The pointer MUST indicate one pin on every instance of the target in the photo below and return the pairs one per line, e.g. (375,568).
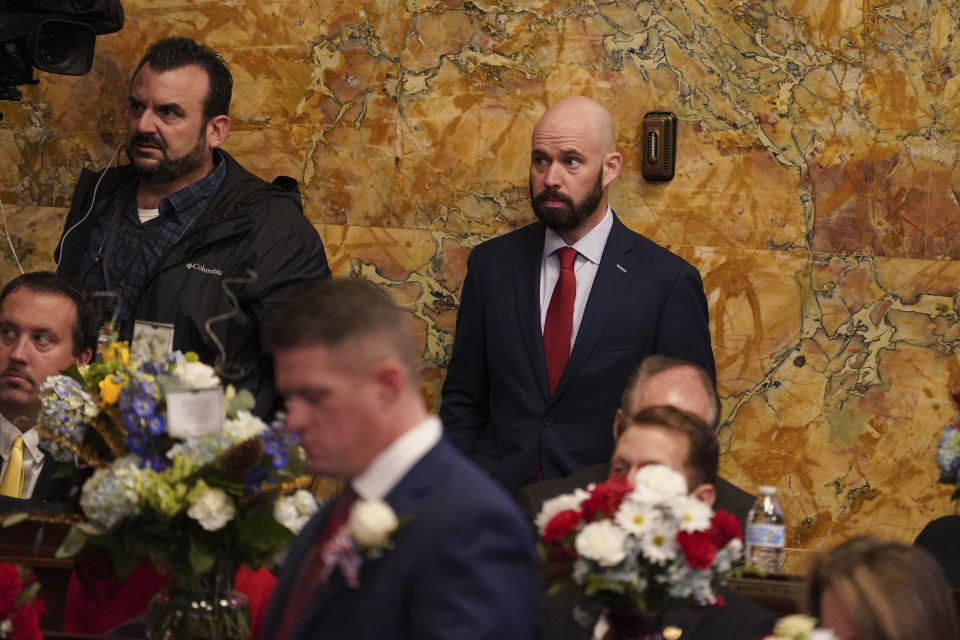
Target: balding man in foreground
(554,316)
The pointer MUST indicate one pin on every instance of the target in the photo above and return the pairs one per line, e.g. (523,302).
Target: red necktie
(311,573)
(558,326)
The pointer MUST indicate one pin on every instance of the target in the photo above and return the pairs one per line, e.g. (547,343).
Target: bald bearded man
(554,316)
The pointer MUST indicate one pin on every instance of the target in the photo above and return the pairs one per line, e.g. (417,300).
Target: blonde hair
(889,590)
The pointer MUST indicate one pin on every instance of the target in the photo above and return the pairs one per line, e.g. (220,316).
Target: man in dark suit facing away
(47,323)
(659,380)
(553,317)
(420,544)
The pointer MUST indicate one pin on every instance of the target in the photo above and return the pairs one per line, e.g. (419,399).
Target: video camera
(56,36)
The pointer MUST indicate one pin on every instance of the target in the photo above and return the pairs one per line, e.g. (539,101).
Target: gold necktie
(12,483)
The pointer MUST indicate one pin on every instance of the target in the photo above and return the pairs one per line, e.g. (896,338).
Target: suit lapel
(526,270)
(403,499)
(688,618)
(48,487)
(613,276)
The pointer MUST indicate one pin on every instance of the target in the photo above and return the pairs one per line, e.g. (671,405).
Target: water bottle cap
(767,490)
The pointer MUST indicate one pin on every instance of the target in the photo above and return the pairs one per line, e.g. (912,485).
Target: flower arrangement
(799,627)
(20,608)
(196,507)
(948,451)
(635,546)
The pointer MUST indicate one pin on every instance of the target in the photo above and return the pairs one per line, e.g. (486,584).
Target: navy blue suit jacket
(497,405)
(463,567)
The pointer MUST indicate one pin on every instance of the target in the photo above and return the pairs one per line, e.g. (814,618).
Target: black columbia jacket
(250,225)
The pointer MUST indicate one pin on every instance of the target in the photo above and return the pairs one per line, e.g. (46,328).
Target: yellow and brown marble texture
(816,189)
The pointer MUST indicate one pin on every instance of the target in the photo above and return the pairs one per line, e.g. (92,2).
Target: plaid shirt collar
(188,203)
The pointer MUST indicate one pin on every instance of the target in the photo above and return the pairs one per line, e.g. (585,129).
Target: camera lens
(64,47)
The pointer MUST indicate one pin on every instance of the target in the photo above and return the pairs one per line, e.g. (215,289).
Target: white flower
(244,426)
(693,514)
(553,506)
(370,523)
(656,483)
(304,501)
(659,544)
(196,375)
(213,510)
(293,511)
(637,517)
(602,542)
(794,626)
(821,634)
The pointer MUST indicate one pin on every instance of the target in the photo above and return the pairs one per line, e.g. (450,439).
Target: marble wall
(816,189)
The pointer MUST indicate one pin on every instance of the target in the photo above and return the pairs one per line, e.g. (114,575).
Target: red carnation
(561,526)
(724,527)
(605,498)
(720,601)
(698,548)
(9,587)
(26,621)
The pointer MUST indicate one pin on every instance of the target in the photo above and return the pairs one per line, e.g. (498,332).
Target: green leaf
(28,594)
(72,542)
(14,518)
(73,371)
(201,559)
(243,401)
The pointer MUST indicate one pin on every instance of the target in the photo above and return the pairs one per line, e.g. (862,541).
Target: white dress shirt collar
(33,456)
(9,433)
(589,246)
(393,463)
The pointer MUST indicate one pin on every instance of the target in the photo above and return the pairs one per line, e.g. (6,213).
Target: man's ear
(612,163)
(391,379)
(617,418)
(85,357)
(705,493)
(217,129)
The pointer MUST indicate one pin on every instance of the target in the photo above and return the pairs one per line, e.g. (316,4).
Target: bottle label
(766,535)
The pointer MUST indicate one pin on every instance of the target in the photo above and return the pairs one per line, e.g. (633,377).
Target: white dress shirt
(393,463)
(32,455)
(589,251)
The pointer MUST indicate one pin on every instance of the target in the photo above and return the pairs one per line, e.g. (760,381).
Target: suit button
(547,421)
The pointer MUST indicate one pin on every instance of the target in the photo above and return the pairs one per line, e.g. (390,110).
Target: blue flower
(156,424)
(137,441)
(271,445)
(144,406)
(279,460)
(131,420)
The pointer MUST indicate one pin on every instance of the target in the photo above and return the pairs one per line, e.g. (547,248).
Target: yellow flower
(110,390)
(116,352)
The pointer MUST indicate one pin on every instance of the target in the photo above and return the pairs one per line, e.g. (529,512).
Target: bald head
(572,163)
(661,380)
(579,113)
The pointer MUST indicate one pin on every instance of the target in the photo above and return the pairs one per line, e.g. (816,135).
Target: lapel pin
(621,268)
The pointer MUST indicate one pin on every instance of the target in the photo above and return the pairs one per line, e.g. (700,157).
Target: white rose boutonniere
(799,627)
(371,523)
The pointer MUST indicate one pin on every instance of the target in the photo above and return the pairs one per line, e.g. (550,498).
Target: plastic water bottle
(765,533)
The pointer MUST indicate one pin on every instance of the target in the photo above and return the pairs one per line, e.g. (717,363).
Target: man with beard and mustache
(174,236)
(554,316)
(47,323)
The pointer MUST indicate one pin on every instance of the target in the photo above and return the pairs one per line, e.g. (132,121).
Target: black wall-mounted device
(659,145)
